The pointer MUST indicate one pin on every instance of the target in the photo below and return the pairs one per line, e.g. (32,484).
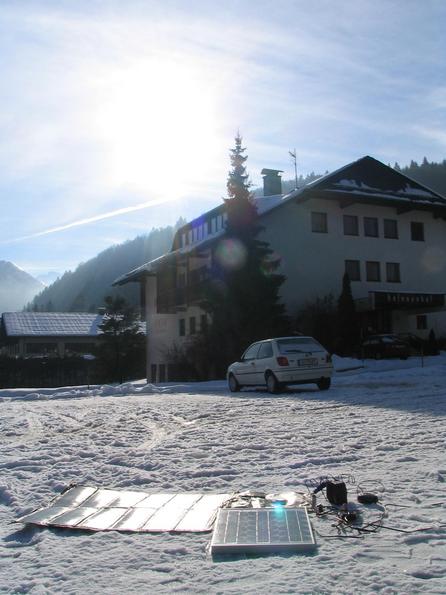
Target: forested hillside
(432,175)
(84,289)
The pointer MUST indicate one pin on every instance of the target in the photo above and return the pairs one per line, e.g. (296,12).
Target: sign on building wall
(404,300)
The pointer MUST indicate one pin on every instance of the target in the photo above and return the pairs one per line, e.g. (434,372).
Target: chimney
(272,182)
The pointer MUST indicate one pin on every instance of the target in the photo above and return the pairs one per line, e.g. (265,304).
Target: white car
(281,361)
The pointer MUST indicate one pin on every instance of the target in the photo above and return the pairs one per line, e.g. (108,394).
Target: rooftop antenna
(293,157)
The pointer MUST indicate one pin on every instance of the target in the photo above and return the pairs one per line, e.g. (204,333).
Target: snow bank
(139,387)
(106,390)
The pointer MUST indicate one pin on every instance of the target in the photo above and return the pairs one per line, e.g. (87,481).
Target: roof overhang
(347,199)
(171,259)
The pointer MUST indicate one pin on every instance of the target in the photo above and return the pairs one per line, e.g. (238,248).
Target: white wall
(314,262)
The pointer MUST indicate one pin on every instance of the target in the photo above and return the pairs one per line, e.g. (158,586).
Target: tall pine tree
(243,302)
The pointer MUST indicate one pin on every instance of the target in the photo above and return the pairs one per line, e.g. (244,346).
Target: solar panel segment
(264,530)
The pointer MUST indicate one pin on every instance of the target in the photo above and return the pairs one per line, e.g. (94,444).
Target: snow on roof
(408,191)
(27,324)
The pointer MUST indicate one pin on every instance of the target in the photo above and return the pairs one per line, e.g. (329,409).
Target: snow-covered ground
(383,424)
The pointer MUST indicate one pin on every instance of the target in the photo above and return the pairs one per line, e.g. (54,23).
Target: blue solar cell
(262,530)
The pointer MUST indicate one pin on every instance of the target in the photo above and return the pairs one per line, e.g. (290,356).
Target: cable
(348,522)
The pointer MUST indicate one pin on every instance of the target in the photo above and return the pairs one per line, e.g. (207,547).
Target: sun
(159,126)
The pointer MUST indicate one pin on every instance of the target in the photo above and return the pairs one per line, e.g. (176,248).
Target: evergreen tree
(243,300)
(348,325)
(120,354)
(319,319)
(432,344)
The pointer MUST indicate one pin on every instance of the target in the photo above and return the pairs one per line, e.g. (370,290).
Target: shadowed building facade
(387,231)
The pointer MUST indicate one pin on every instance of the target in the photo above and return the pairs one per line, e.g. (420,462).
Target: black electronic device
(367,498)
(336,491)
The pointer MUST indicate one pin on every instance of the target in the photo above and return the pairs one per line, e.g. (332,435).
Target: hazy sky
(116,117)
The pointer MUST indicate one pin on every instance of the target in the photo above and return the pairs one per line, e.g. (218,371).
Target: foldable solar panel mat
(97,509)
(262,530)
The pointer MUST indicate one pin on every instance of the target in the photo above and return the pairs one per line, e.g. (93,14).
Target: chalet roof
(48,324)
(366,180)
(368,177)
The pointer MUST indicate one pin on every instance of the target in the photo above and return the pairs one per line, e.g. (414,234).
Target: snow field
(383,424)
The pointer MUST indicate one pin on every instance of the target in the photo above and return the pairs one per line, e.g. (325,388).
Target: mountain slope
(17,287)
(84,289)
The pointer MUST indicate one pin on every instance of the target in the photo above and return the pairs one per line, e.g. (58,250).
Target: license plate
(308,362)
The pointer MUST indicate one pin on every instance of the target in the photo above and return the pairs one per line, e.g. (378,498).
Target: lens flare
(231,254)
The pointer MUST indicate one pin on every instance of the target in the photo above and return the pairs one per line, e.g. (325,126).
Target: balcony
(169,301)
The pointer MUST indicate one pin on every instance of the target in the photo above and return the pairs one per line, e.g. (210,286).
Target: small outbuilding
(49,334)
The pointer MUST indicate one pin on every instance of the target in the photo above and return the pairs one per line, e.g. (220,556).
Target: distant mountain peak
(17,287)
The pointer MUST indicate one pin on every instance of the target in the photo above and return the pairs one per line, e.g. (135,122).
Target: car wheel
(233,384)
(272,384)
(324,383)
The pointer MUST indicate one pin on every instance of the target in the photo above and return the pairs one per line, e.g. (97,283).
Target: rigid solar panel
(262,530)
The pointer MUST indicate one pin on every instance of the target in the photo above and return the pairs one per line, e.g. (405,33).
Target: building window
(371,227)
(41,348)
(351,227)
(182,327)
(203,323)
(352,268)
(192,325)
(391,229)
(417,231)
(162,372)
(319,222)
(421,322)
(373,271)
(393,272)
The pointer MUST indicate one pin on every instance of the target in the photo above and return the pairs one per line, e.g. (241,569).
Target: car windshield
(298,345)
